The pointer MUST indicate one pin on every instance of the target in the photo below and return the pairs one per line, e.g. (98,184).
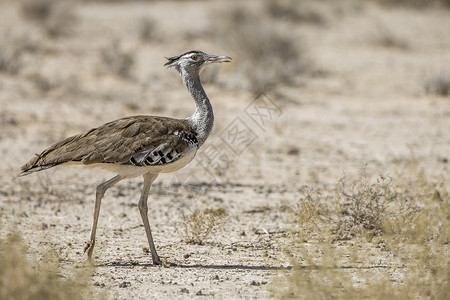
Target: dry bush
(415,3)
(437,84)
(115,60)
(56,18)
(386,37)
(200,224)
(362,207)
(10,58)
(296,11)
(308,216)
(21,278)
(268,55)
(412,221)
(12,49)
(147,29)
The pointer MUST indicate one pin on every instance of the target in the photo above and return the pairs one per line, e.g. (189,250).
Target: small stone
(184,290)
(186,255)
(125,284)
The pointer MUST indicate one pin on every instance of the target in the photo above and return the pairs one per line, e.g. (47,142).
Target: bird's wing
(139,140)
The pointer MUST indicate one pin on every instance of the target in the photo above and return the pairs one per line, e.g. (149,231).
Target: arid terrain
(331,121)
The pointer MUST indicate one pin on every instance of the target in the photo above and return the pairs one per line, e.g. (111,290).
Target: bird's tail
(27,171)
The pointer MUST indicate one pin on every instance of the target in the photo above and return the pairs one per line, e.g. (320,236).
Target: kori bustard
(139,145)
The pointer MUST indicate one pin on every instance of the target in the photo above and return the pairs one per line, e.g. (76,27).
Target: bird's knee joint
(143,207)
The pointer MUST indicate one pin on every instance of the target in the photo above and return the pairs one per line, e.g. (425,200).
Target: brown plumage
(116,142)
(139,145)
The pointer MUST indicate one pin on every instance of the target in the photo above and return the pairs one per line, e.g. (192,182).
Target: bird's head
(194,61)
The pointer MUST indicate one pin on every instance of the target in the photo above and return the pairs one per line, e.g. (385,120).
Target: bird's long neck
(203,119)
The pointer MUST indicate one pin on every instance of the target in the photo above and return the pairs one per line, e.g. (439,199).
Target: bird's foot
(156,260)
(89,248)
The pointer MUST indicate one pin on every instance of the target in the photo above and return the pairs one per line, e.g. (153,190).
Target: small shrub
(410,215)
(117,61)
(21,278)
(10,58)
(56,18)
(146,29)
(296,11)
(307,216)
(437,84)
(362,207)
(385,37)
(415,3)
(12,49)
(269,56)
(37,10)
(200,224)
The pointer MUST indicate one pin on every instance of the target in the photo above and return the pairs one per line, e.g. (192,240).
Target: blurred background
(356,81)
(322,89)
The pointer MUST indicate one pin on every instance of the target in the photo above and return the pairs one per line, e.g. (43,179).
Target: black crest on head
(175,58)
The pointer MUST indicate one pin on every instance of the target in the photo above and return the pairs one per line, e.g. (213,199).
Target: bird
(139,145)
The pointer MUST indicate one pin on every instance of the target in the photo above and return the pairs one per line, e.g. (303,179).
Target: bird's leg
(101,189)
(148,180)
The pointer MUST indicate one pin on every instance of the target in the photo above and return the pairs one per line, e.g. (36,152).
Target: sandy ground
(367,109)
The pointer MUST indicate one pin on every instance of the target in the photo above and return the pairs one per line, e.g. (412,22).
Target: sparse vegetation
(201,224)
(263,46)
(12,49)
(385,37)
(146,29)
(115,60)
(415,3)
(409,215)
(22,278)
(10,58)
(56,18)
(437,84)
(362,207)
(296,11)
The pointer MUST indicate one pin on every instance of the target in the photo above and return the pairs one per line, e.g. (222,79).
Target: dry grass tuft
(407,214)
(147,29)
(115,60)
(269,56)
(308,215)
(21,278)
(56,18)
(437,84)
(415,3)
(362,207)
(200,224)
(387,38)
(12,49)
(295,11)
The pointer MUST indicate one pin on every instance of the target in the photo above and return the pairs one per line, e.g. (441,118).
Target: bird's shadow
(232,266)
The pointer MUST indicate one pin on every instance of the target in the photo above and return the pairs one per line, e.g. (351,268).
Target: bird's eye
(194,57)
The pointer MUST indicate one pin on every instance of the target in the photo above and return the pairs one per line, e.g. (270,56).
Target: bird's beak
(218,59)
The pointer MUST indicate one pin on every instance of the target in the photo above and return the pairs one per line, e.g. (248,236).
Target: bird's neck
(203,119)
